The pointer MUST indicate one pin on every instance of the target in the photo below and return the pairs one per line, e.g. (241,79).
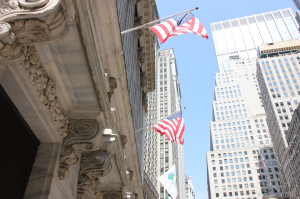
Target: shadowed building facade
(73,93)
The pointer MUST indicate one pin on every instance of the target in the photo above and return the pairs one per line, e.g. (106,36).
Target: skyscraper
(242,160)
(239,38)
(190,193)
(278,76)
(165,100)
(239,137)
(297,4)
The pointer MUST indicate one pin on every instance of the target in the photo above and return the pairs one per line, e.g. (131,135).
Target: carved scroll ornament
(29,22)
(83,135)
(93,165)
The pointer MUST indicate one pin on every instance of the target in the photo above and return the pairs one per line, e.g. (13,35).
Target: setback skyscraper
(239,138)
(242,162)
(239,38)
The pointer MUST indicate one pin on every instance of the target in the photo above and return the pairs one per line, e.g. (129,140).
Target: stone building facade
(73,93)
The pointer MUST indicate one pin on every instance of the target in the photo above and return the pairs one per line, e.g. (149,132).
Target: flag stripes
(173,27)
(172,127)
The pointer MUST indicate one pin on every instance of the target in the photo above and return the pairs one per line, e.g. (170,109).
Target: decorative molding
(145,101)
(83,135)
(93,165)
(69,10)
(112,87)
(143,79)
(29,22)
(45,87)
(112,195)
(140,56)
(9,5)
(131,174)
(138,21)
(124,140)
(139,32)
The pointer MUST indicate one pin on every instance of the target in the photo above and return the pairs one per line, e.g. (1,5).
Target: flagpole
(159,120)
(153,22)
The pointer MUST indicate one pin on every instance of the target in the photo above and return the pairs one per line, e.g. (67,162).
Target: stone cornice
(99,26)
(148,42)
(29,22)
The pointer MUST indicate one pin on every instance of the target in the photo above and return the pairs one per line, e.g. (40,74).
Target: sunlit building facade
(278,76)
(239,138)
(239,38)
(165,100)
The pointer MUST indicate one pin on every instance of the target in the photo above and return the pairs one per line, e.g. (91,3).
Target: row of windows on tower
(226,82)
(229,88)
(228,92)
(242,193)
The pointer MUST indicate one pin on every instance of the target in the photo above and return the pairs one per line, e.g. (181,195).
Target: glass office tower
(239,38)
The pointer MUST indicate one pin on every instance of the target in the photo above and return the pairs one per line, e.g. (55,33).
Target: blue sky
(197,66)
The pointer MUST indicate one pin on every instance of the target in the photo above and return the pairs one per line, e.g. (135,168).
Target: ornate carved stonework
(145,101)
(112,195)
(113,86)
(131,174)
(9,6)
(139,32)
(45,87)
(124,140)
(143,79)
(83,135)
(141,56)
(30,30)
(37,27)
(93,165)
(137,21)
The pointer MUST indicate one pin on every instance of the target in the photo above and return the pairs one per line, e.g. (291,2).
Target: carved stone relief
(45,87)
(140,56)
(145,101)
(113,86)
(124,140)
(83,135)
(131,174)
(139,32)
(18,32)
(112,195)
(93,165)
(143,79)
(137,21)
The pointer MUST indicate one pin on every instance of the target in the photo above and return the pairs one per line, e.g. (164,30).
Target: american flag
(173,127)
(178,25)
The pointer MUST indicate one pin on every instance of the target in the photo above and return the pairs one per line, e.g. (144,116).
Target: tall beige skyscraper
(165,100)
